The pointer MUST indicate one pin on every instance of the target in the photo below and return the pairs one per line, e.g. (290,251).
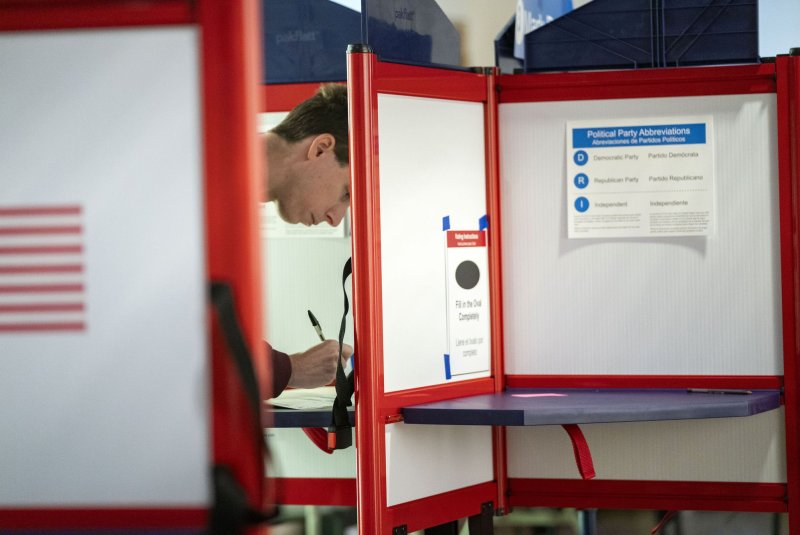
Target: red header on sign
(466,238)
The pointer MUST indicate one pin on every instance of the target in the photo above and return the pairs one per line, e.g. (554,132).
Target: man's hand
(317,366)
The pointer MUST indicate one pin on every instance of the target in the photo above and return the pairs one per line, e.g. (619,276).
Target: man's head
(308,159)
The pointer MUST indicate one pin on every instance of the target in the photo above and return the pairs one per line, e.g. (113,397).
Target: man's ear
(320,145)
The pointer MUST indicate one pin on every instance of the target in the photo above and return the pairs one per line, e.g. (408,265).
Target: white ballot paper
(305,398)
(640,177)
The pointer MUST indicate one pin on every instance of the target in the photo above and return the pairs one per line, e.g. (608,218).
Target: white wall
(478,22)
(778,23)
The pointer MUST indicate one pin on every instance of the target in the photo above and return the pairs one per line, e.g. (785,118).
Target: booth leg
(587,521)
(482,524)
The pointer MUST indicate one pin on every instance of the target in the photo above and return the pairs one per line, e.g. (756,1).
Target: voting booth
(128,162)
(573,290)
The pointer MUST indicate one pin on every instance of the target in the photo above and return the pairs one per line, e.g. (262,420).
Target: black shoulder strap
(231,511)
(340,433)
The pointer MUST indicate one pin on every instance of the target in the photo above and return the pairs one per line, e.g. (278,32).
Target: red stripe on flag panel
(15,231)
(22,231)
(42,307)
(42,288)
(41,268)
(42,249)
(39,327)
(40,210)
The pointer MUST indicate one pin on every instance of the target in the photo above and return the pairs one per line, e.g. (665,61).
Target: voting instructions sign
(640,177)
(467,303)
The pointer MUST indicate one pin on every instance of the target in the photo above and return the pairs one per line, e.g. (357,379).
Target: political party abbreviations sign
(640,177)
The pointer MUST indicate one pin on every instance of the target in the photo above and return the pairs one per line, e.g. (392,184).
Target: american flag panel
(42,269)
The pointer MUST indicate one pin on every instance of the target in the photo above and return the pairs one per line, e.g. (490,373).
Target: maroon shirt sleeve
(281,369)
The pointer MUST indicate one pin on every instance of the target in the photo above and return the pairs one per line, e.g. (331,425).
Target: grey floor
(525,521)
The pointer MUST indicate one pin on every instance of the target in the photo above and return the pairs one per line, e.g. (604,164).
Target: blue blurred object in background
(618,34)
(533,14)
(306,40)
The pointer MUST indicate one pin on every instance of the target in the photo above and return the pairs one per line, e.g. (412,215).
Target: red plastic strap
(583,457)
(319,437)
(664,520)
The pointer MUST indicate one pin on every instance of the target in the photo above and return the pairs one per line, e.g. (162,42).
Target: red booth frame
(229,56)
(375,409)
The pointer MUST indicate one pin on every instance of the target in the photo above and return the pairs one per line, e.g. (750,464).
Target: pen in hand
(316,326)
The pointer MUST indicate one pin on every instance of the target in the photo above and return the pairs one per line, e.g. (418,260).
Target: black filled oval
(468,274)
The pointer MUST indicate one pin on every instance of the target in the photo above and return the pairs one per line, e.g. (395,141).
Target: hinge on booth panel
(482,70)
(400,530)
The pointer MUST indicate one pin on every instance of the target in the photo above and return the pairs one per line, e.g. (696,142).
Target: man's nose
(336,214)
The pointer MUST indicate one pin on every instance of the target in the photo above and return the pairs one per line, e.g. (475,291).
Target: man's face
(319,187)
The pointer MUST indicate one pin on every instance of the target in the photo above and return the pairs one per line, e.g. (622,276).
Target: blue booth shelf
(523,406)
(615,34)
(516,407)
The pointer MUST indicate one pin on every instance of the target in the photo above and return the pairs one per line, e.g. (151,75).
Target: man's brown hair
(324,113)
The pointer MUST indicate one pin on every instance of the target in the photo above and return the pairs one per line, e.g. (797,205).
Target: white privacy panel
(305,274)
(103,400)
(748,449)
(431,166)
(425,460)
(685,305)
(294,455)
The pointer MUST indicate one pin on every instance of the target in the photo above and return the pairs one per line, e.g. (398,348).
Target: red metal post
(788,81)
(367,305)
(233,187)
(493,208)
